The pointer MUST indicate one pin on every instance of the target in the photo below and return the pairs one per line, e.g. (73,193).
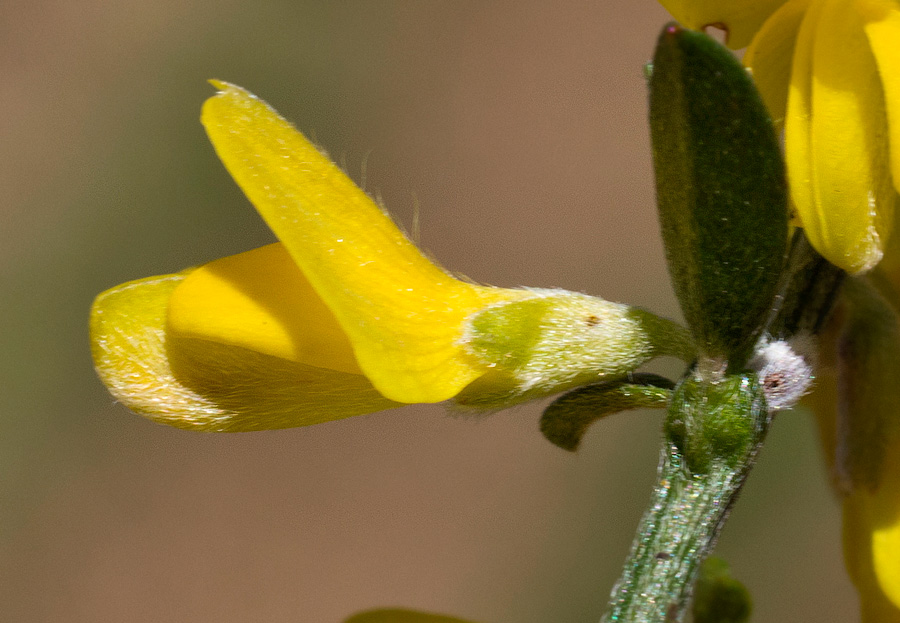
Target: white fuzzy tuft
(784,374)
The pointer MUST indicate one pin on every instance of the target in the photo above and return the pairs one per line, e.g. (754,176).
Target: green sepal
(716,420)
(560,340)
(718,597)
(567,419)
(868,369)
(721,191)
(399,615)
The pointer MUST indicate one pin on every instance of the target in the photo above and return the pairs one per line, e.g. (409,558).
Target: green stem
(715,428)
(713,434)
(676,535)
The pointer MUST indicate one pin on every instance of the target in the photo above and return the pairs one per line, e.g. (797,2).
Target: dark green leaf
(721,190)
(568,417)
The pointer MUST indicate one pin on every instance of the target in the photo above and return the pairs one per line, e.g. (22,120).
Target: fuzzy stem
(675,536)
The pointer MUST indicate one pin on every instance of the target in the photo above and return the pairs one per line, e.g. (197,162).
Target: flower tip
(221,85)
(228,88)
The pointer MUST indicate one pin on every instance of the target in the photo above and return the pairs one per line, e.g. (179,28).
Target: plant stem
(675,536)
(714,431)
(713,434)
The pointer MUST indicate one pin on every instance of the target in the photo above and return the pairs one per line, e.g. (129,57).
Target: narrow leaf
(568,417)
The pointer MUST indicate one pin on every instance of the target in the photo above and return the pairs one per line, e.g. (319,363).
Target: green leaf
(568,417)
(718,597)
(397,615)
(721,191)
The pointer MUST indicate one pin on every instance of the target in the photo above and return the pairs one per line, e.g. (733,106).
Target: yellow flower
(856,404)
(829,70)
(345,315)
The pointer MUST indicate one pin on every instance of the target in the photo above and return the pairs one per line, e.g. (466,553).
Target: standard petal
(206,385)
(403,315)
(882,25)
(836,139)
(771,53)
(741,18)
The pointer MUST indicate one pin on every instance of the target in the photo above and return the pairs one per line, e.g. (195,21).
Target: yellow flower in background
(345,315)
(829,70)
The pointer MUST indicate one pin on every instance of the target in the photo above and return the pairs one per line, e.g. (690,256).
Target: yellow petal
(402,314)
(260,301)
(741,18)
(885,511)
(882,25)
(836,139)
(206,385)
(866,444)
(770,56)
(872,544)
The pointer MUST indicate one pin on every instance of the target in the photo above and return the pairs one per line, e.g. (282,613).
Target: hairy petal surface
(402,314)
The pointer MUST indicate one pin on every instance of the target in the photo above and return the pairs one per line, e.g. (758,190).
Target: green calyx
(716,420)
(558,340)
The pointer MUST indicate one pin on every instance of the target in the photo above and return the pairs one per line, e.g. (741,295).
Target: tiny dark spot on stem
(663,555)
(592,321)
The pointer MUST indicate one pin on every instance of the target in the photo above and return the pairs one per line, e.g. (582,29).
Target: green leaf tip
(721,191)
(565,422)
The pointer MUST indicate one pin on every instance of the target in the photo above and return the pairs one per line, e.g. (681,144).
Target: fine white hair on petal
(784,374)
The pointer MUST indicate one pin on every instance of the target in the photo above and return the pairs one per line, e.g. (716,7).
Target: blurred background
(517,130)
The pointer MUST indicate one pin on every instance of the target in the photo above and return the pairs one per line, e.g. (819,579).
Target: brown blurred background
(518,129)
